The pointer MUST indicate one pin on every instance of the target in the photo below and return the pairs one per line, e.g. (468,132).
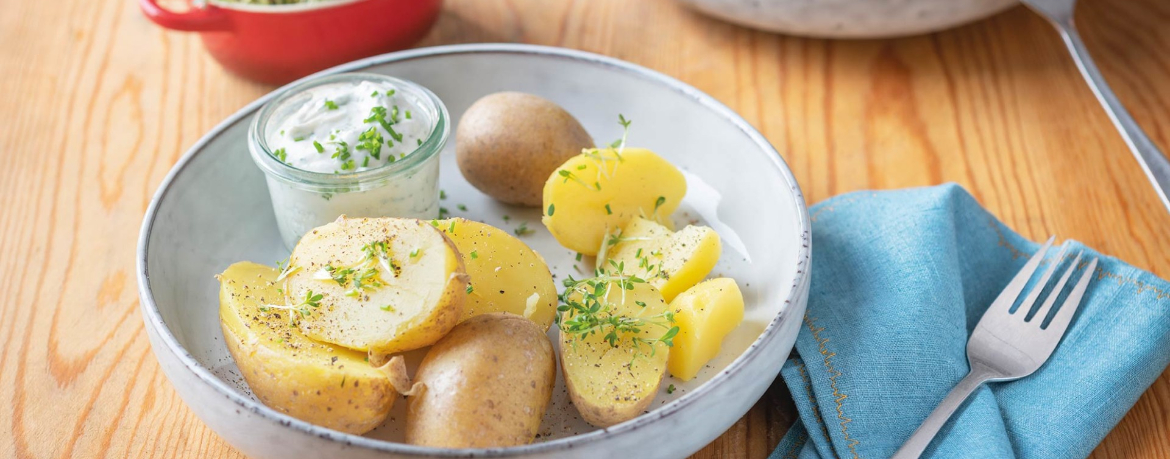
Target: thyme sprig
(586,309)
(311,300)
(363,275)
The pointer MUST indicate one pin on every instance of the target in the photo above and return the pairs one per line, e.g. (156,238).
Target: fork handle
(1155,165)
(922,436)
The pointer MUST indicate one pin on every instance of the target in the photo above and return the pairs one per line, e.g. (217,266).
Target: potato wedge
(316,382)
(613,375)
(594,193)
(505,274)
(383,285)
(486,384)
(705,314)
(670,261)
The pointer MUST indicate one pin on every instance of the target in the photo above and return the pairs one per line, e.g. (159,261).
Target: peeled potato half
(601,190)
(670,261)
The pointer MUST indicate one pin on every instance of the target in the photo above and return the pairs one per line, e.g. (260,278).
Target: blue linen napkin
(899,279)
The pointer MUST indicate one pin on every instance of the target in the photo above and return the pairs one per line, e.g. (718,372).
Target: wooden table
(97,104)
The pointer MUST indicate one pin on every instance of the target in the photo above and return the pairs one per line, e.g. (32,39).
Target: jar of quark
(353,144)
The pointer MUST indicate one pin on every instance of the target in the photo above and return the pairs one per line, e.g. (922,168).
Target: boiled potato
(670,261)
(705,314)
(599,191)
(505,275)
(612,378)
(383,285)
(316,382)
(508,143)
(484,385)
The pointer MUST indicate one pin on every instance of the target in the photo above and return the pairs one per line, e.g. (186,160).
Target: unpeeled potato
(327,385)
(484,385)
(601,190)
(507,143)
(505,275)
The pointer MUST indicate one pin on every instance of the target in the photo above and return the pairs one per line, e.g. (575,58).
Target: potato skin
(316,382)
(508,143)
(486,384)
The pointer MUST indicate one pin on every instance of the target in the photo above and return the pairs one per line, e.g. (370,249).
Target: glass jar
(303,200)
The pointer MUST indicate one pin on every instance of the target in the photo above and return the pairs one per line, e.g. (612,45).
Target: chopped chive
(607,210)
(281,155)
(551,208)
(442,194)
(320,148)
(661,200)
(388,308)
(474,254)
(578,256)
(461,207)
(470,289)
(408,114)
(670,389)
(331,105)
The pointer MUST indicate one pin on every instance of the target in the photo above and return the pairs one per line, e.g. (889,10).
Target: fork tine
(1048,302)
(1030,300)
(1009,294)
(1061,320)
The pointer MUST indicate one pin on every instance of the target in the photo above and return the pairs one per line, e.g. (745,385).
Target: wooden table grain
(97,103)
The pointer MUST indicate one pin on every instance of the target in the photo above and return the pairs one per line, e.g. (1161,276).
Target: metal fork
(1157,168)
(1008,345)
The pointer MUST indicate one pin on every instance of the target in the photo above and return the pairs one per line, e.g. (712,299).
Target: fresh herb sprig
(586,309)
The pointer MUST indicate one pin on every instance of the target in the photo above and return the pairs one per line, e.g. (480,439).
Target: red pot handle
(204,19)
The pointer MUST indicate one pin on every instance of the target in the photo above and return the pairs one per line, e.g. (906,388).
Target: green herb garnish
(371,142)
(523,230)
(586,309)
(329,104)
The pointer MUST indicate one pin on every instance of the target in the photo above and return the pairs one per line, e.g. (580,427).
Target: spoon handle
(1152,161)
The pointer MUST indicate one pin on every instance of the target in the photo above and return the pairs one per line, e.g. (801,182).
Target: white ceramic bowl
(850,18)
(212,210)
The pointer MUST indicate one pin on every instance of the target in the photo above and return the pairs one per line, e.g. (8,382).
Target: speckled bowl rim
(153,318)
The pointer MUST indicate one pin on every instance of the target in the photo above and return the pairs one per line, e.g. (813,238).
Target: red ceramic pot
(276,44)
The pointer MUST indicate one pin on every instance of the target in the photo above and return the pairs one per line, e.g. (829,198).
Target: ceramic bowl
(213,209)
(850,18)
